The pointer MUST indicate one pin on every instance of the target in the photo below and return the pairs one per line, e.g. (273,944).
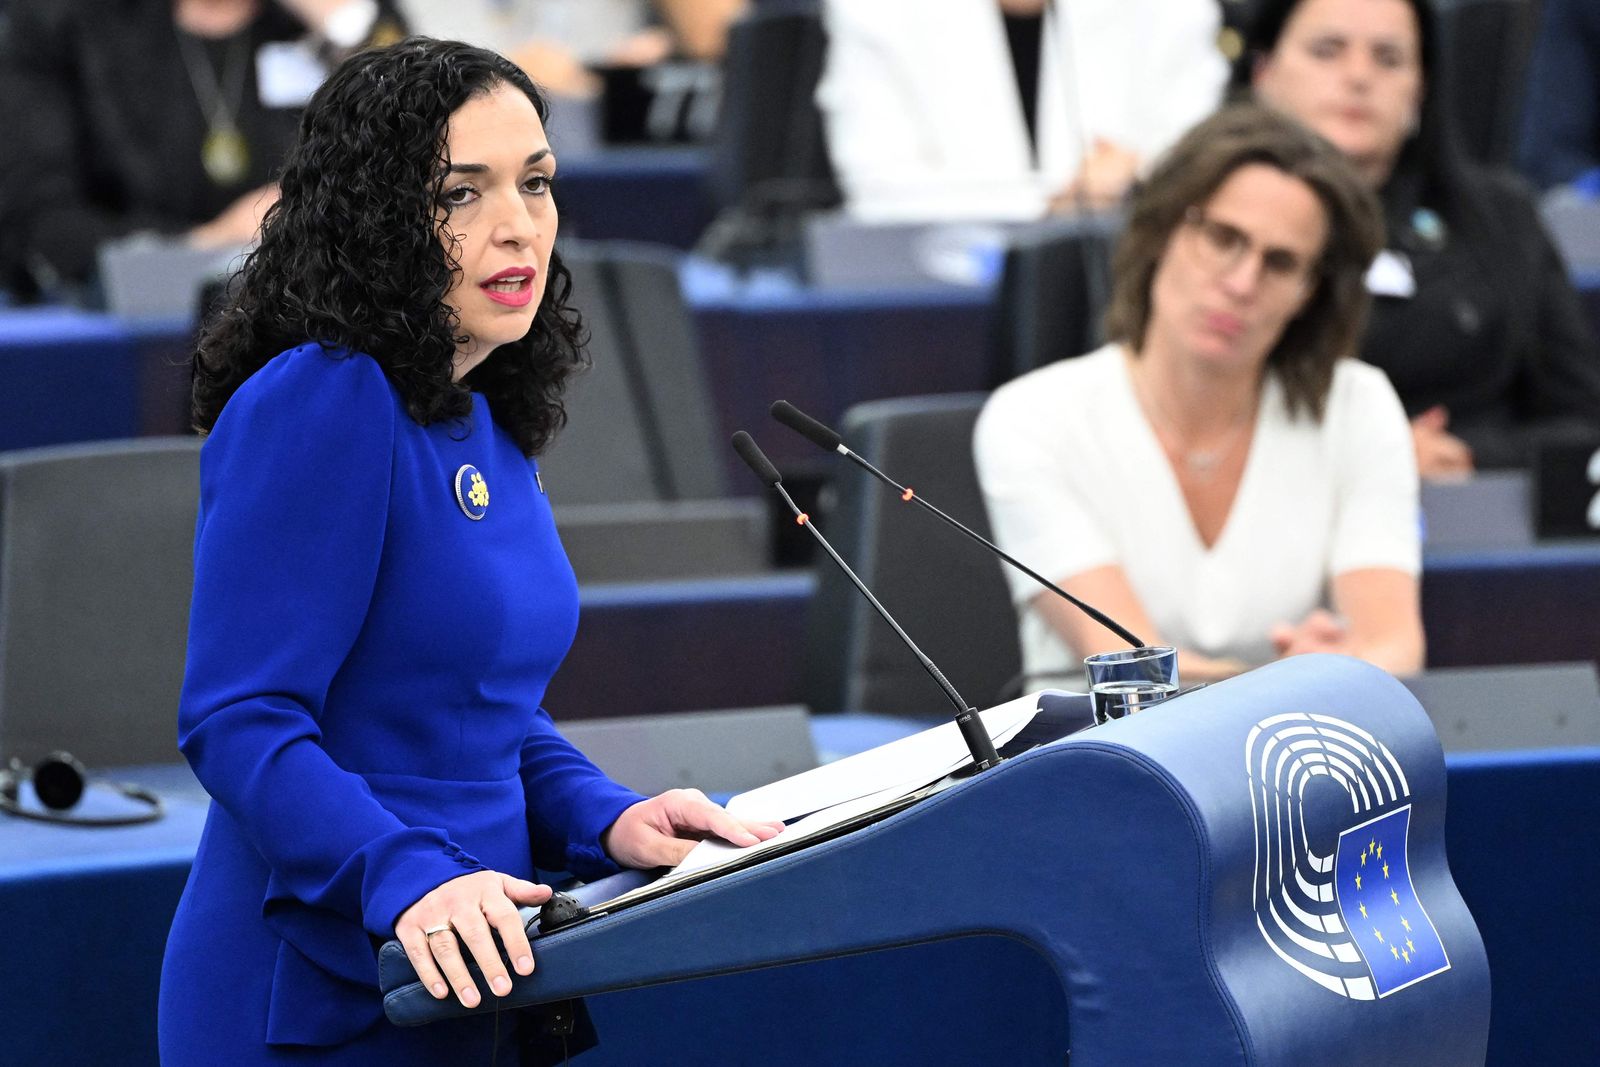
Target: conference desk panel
(65,377)
(684,646)
(643,193)
(739,642)
(1539,604)
(824,351)
(70,375)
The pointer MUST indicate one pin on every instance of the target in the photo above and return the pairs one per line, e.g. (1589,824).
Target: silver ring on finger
(442,928)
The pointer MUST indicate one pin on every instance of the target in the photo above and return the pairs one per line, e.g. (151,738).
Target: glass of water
(1122,683)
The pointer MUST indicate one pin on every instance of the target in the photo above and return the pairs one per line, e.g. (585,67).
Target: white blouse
(1075,478)
(924,120)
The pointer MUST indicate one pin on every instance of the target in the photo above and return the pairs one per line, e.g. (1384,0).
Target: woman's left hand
(659,832)
(1320,631)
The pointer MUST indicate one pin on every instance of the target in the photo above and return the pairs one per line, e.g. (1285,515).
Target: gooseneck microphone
(826,438)
(967,720)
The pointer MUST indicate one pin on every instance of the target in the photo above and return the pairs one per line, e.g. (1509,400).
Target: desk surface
(32,849)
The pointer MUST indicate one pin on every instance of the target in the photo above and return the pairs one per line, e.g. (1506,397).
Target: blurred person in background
(558,41)
(1474,319)
(1009,108)
(1221,476)
(162,116)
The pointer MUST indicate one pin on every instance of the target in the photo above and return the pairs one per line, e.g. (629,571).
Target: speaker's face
(497,217)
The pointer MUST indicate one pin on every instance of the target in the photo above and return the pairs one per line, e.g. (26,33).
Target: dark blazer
(1495,331)
(104,129)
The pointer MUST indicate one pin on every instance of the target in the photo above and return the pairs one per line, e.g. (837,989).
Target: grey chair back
(1485,47)
(769,146)
(1054,286)
(95,577)
(635,475)
(664,354)
(945,590)
(604,454)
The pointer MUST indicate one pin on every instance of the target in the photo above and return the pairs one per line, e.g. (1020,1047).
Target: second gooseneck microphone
(826,438)
(968,721)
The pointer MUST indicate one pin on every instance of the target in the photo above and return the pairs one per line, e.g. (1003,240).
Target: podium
(1252,873)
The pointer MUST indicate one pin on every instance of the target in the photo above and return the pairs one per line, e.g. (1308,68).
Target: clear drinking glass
(1128,681)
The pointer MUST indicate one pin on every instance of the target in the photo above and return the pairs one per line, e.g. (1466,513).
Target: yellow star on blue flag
(1392,902)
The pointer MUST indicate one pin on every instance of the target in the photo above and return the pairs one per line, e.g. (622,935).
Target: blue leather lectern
(1253,873)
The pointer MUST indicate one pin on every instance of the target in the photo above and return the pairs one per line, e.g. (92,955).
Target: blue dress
(366,663)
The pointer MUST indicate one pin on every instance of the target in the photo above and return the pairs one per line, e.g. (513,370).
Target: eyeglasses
(1221,248)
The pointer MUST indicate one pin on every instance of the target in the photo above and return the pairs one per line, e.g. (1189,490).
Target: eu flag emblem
(1379,905)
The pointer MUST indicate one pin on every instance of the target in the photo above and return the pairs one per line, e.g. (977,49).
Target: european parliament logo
(1332,894)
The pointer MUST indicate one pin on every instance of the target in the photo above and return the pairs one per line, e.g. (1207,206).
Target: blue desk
(87,913)
(635,194)
(684,646)
(822,350)
(1527,605)
(680,646)
(70,376)
(825,350)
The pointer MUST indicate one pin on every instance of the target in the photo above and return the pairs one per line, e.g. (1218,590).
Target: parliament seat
(95,576)
(634,475)
(923,571)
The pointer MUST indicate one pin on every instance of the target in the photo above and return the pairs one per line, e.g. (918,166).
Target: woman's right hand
(1441,456)
(463,911)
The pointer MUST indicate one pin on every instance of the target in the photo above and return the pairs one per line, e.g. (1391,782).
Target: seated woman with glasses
(1220,477)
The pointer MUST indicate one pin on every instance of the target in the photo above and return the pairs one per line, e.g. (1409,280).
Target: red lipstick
(512,287)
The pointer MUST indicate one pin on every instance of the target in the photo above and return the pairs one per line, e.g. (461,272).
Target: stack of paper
(821,798)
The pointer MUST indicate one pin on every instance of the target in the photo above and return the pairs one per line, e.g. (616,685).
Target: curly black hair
(351,256)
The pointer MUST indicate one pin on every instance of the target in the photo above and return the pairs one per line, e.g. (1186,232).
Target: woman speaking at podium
(1221,474)
(380,595)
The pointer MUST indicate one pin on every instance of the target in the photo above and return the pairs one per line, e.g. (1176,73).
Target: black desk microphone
(967,718)
(827,439)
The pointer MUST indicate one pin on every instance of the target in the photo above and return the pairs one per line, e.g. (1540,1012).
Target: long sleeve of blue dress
(294,502)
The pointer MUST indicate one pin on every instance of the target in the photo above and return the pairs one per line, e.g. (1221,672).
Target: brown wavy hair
(1330,324)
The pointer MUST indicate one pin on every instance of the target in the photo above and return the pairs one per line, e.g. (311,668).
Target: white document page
(816,800)
(910,762)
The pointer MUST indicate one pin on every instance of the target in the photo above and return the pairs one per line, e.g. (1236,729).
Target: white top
(1075,478)
(924,121)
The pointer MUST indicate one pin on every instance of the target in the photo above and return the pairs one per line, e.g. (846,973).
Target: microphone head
(752,455)
(806,426)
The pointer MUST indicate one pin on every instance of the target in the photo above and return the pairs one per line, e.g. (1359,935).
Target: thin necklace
(1201,463)
(224,154)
